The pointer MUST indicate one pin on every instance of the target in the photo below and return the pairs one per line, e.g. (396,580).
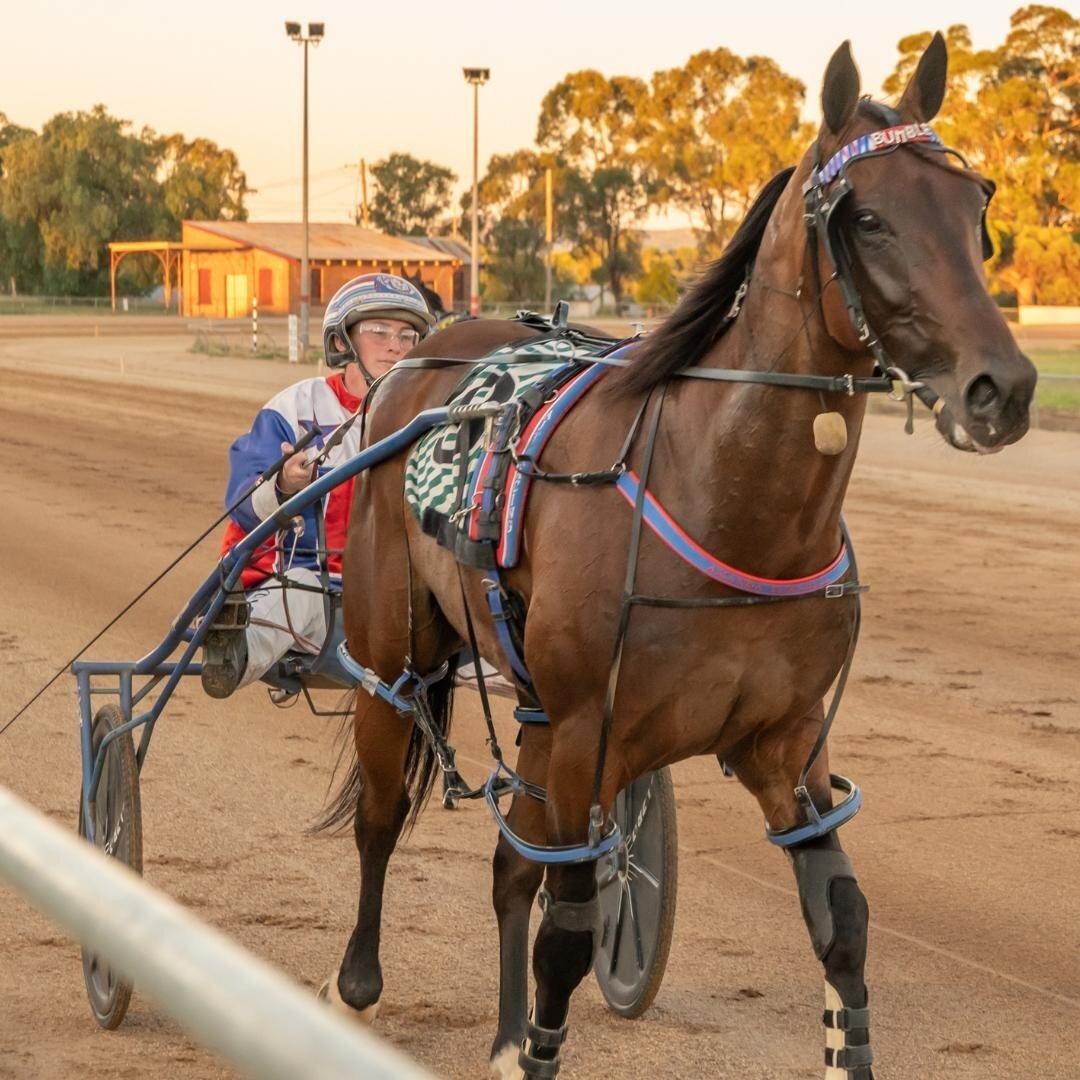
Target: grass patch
(1057,394)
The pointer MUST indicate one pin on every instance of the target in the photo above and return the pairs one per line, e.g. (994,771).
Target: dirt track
(962,724)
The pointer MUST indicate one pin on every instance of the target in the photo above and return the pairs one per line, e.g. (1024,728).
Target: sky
(388,77)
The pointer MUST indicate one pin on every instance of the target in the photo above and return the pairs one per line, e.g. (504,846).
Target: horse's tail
(421,766)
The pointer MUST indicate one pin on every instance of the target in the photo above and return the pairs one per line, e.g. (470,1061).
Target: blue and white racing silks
(313,403)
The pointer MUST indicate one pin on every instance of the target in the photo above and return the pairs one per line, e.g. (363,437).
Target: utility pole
(365,219)
(547,238)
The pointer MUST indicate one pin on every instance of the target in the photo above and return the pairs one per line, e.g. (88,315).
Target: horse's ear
(840,90)
(926,91)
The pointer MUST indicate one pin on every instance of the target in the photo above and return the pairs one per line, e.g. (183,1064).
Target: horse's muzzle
(994,408)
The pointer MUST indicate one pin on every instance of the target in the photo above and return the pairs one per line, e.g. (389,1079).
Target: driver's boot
(224,660)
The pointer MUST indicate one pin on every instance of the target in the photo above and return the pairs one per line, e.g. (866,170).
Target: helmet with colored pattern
(370,296)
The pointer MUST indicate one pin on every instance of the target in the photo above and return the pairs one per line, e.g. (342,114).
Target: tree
(202,181)
(666,272)
(409,194)
(88,179)
(593,127)
(84,181)
(20,244)
(719,127)
(658,285)
(1013,112)
(511,219)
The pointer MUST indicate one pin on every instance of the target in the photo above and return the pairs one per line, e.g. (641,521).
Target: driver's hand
(295,474)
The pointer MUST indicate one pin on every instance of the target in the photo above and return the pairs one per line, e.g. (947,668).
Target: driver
(370,323)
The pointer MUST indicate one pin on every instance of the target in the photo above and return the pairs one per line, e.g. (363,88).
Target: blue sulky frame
(204,608)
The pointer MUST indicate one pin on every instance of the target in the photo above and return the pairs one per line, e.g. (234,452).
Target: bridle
(826,189)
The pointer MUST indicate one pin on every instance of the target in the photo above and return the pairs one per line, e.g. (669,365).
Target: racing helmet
(370,296)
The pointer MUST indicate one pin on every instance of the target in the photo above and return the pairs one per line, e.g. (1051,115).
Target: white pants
(274,609)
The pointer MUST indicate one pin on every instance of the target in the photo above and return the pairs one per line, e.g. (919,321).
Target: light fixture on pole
(476,77)
(315,32)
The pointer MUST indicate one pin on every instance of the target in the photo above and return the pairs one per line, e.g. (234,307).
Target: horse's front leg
(515,882)
(382,742)
(833,906)
(836,915)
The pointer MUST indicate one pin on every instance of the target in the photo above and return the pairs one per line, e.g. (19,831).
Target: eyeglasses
(384,335)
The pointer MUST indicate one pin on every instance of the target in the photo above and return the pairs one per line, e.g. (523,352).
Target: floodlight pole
(476,77)
(305,271)
(313,36)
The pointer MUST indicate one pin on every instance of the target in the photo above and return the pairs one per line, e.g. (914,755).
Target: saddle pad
(433,469)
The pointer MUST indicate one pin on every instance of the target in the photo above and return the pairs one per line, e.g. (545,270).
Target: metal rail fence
(74,305)
(223,996)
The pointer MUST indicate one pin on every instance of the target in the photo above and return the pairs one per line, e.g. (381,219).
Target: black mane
(434,300)
(697,323)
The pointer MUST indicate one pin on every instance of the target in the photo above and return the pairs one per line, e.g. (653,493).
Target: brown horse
(736,465)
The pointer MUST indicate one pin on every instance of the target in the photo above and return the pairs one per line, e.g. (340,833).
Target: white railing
(226,998)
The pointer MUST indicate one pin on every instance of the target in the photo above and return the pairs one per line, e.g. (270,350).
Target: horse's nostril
(982,395)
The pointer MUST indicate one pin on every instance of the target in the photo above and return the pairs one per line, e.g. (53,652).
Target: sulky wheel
(117,816)
(638,885)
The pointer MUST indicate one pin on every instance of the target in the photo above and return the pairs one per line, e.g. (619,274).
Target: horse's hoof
(329,993)
(504,1065)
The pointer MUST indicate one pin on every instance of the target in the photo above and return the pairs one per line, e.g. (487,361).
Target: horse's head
(900,227)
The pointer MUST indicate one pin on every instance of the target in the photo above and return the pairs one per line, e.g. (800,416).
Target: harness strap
(673,535)
(503,620)
(853,640)
(596,813)
(481,685)
(830,384)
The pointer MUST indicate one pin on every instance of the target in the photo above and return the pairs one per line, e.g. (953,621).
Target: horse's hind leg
(382,745)
(515,881)
(570,929)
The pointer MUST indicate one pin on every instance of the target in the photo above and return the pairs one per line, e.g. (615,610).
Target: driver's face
(381,343)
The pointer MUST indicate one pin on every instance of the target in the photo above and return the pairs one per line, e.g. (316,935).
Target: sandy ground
(962,724)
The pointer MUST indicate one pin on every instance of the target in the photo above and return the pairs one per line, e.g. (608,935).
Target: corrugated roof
(329,241)
(454,248)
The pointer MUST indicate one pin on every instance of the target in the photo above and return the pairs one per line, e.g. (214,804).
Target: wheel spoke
(639,949)
(616,938)
(639,871)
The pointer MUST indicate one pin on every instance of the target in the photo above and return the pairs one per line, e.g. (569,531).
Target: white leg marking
(834,1039)
(504,1065)
(329,993)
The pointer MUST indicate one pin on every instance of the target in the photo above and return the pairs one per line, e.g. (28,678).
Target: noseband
(825,190)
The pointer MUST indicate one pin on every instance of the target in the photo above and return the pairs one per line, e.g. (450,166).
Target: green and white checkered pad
(431,474)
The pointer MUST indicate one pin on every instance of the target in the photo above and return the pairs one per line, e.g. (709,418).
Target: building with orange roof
(222,267)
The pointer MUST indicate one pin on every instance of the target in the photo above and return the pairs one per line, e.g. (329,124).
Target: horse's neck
(744,458)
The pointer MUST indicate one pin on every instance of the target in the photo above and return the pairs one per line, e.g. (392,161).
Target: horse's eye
(866,221)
